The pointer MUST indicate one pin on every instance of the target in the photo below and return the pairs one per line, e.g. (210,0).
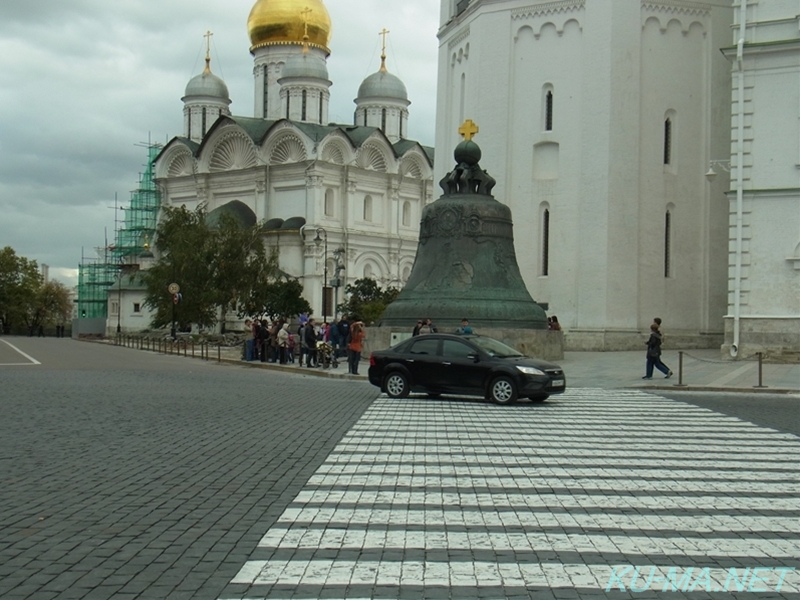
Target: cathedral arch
(372,265)
(233,151)
(410,166)
(372,157)
(288,148)
(181,164)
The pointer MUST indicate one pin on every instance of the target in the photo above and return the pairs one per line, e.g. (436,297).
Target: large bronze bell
(466,266)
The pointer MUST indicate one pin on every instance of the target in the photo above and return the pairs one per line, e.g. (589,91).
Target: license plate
(557,383)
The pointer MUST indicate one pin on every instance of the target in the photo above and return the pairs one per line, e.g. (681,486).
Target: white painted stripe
(473,574)
(30,358)
(783,551)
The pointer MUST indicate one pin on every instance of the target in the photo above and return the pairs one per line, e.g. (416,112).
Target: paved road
(130,475)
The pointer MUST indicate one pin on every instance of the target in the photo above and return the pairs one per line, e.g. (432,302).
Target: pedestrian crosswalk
(596,491)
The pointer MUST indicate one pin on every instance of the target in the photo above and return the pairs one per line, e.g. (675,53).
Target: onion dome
(207,84)
(382,85)
(282,22)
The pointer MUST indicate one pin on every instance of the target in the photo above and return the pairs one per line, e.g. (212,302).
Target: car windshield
(494,348)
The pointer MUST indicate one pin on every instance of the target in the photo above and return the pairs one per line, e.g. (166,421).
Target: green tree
(276,299)
(51,305)
(185,246)
(239,262)
(20,282)
(366,300)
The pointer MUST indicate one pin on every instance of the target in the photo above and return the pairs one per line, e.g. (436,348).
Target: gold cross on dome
(208,42)
(306,13)
(468,130)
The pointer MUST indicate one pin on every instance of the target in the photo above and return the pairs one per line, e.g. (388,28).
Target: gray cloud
(84,81)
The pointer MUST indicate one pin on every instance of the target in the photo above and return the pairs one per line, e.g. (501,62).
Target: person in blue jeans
(654,354)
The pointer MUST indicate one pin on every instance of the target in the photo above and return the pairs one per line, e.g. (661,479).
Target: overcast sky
(82,82)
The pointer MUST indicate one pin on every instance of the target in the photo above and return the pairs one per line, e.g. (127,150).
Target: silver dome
(305,65)
(382,85)
(207,84)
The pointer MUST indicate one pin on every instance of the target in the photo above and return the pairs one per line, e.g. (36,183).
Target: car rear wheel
(396,385)
(503,390)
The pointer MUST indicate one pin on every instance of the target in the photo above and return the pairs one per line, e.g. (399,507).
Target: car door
(460,371)
(422,362)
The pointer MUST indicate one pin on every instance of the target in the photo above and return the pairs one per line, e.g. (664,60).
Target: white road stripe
(30,358)
(713,466)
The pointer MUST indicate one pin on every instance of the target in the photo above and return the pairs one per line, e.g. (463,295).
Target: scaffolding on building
(134,233)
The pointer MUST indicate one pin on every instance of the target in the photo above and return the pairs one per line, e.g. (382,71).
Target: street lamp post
(319,240)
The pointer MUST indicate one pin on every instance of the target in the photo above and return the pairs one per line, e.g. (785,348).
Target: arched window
(367,214)
(406,273)
(400,128)
(365,118)
(368,271)
(204,122)
(329,202)
(288,103)
(667,141)
(383,120)
(667,244)
(320,109)
(406,214)
(548,109)
(546,242)
(304,106)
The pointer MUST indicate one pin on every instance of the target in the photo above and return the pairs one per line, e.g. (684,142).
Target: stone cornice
(458,38)
(549,8)
(677,7)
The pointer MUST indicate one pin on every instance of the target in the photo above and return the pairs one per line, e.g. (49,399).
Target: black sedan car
(440,363)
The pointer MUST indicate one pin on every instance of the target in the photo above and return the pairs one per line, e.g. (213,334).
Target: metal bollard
(680,371)
(760,371)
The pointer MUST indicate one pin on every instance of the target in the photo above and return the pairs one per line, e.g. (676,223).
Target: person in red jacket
(355,346)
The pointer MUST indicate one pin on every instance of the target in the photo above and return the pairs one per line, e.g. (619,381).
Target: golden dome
(275,22)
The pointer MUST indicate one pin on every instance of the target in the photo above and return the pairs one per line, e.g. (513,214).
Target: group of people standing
(276,342)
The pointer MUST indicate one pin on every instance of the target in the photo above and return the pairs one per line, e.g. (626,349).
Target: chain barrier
(759,359)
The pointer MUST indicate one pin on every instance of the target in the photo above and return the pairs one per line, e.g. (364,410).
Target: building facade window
(329,202)
(304,106)
(137,308)
(383,120)
(204,122)
(266,91)
(667,244)
(406,214)
(367,213)
(368,271)
(548,110)
(320,109)
(546,242)
(114,308)
(668,141)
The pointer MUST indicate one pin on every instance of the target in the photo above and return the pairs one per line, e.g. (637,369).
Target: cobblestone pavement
(127,475)
(594,494)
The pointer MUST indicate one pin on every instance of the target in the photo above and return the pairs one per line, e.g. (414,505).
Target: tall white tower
(279,31)
(598,120)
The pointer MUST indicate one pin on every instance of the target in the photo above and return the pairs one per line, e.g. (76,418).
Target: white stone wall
(617,71)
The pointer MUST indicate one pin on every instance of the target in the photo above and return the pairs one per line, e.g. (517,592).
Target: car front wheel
(503,390)
(396,385)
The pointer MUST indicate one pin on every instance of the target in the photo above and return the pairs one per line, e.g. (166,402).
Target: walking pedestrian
(654,354)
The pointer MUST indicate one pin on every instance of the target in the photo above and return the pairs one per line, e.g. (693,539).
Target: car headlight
(531,370)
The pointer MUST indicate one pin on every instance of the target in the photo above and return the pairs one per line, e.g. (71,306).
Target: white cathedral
(650,153)
(358,188)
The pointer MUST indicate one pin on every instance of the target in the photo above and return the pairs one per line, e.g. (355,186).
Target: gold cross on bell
(468,130)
